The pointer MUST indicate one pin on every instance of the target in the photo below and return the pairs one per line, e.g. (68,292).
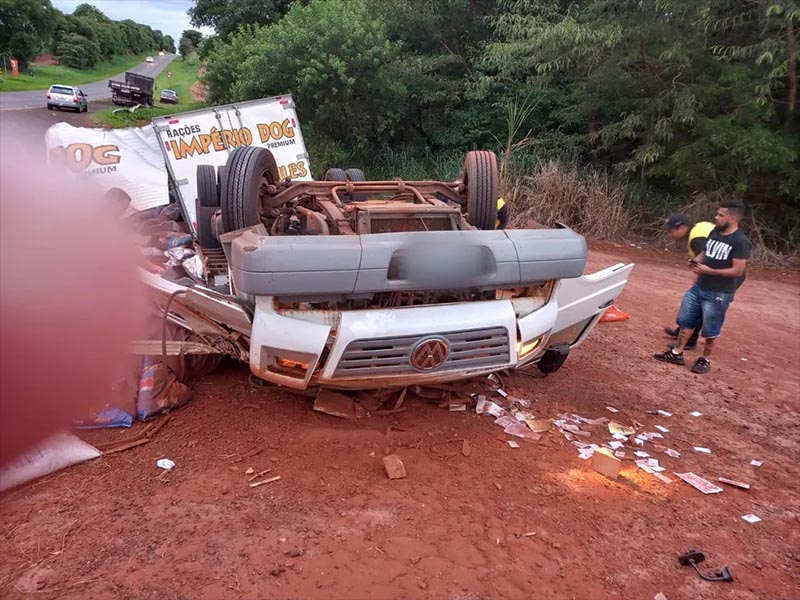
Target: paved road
(95,91)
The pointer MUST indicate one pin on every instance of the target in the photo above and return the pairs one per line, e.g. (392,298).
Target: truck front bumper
(378,348)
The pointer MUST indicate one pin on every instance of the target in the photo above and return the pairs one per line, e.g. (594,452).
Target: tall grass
(591,203)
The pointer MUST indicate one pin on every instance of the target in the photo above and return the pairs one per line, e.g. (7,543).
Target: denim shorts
(704,307)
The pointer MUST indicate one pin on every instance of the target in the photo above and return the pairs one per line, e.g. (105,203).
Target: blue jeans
(704,307)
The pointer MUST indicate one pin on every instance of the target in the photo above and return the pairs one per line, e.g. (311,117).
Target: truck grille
(474,348)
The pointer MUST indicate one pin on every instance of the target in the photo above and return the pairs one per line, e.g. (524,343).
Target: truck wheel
(207,191)
(250,169)
(222,173)
(356,175)
(482,182)
(335,175)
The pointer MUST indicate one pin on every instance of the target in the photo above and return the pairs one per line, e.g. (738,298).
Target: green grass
(46,75)
(184,75)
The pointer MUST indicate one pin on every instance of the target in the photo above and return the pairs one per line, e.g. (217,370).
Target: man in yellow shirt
(681,227)
(501,222)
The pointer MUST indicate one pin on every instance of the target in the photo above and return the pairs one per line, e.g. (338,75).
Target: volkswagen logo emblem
(430,354)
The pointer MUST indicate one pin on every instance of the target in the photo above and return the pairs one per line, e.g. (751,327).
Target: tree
(185,47)
(226,16)
(78,52)
(169,44)
(194,36)
(91,13)
(333,56)
(657,88)
(439,44)
(26,27)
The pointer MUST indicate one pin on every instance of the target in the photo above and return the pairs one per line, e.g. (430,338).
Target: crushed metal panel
(218,309)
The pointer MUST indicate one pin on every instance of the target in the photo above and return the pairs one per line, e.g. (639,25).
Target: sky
(167,15)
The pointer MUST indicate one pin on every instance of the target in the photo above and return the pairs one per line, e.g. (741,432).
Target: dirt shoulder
(335,526)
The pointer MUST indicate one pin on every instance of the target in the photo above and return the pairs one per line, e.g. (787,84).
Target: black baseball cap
(675,221)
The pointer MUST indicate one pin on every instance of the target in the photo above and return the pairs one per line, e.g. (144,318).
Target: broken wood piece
(400,399)
(734,483)
(466,450)
(395,468)
(125,446)
(270,480)
(259,474)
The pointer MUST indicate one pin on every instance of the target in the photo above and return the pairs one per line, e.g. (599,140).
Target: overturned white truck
(353,284)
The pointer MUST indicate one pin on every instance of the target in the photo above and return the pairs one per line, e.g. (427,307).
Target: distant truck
(136,89)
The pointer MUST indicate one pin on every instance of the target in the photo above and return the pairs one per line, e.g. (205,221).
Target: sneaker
(671,331)
(703,365)
(670,357)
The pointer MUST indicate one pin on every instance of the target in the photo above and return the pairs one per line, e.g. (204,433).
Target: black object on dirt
(694,557)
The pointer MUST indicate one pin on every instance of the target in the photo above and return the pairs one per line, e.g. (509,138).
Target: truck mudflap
(583,300)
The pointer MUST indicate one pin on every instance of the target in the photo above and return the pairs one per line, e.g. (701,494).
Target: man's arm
(698,244)
(736,270)
(502,216)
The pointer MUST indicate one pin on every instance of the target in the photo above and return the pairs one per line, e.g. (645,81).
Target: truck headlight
(524,349)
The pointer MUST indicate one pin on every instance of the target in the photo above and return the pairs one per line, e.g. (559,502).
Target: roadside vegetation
(655,104)
(84,40)
(184,76)
(46,75)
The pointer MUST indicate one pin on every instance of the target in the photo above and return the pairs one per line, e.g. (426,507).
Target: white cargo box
(208,135)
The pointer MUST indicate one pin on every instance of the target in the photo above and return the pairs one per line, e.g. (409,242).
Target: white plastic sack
(53,454)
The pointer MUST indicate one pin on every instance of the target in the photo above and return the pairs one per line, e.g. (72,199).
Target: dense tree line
(80,40)
(680,96)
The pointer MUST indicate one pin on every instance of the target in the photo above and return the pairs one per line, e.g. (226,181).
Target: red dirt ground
(118,528)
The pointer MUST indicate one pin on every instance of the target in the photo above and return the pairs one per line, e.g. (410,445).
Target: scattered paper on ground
(702,450)
(751,518)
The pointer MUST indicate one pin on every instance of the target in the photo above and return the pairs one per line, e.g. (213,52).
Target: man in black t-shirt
(720,268)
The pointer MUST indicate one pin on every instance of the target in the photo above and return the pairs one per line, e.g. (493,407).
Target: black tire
(249,170)
(207,190)
(205,235)
(356,175)
(222,173)
(50,107)
(482,187)
(335,175)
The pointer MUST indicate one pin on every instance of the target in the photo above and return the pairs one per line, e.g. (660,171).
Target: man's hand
(702,269)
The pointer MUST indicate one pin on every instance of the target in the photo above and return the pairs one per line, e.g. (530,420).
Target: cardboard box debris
(606,463)
(395,468)
(333,403)
(539,425)
(699,483)
(614,428)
